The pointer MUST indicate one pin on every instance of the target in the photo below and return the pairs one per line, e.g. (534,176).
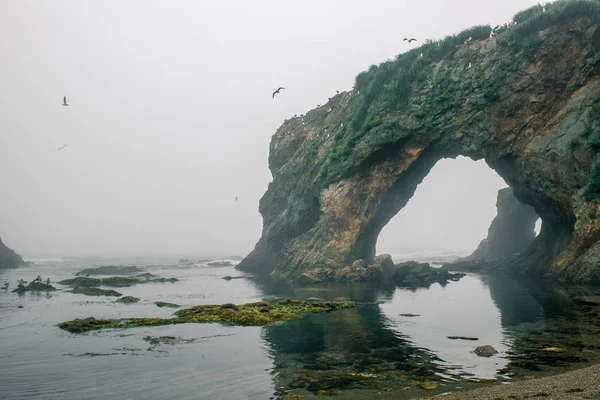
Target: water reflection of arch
(325,351)
(520,299)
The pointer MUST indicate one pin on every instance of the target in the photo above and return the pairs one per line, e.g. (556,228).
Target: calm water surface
(354,353)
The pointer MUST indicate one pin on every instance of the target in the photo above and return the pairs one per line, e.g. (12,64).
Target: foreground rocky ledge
(250,314)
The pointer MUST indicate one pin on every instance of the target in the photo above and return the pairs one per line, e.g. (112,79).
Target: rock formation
(527,100)
(511,231)
(8,258)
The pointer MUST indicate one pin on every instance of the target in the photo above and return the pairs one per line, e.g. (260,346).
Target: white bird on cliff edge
(277,91)
(65,101)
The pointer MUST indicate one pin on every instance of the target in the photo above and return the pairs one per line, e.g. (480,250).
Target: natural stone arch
(342,171)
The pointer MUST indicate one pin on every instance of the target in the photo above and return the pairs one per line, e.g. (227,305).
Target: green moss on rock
(162,304)
(96,292)
(113,281)
(250,314)
(127,300)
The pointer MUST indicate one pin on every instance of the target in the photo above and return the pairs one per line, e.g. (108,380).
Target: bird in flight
(65,101)
(62,147)
(277,91)
(409,40)
(236,198)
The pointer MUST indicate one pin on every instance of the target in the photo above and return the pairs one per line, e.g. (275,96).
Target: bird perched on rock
(277,91)
(409,40)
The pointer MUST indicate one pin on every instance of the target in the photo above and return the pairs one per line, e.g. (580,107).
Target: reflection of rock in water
(549,333)
(347,349)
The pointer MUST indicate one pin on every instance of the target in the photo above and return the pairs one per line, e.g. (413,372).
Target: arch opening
(460,209)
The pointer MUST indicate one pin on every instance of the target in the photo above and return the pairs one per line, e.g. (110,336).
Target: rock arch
(342,171)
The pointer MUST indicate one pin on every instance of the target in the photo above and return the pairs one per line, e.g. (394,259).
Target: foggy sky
(171,115)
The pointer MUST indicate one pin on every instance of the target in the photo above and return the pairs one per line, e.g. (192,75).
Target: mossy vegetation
(91,291)
(113,281)
(250,314)
(593,189)
(398,96)
(127,300)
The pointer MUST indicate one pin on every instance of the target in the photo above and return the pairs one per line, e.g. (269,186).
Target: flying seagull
(62,147)
(277,91)
(65,101)
(236,198)
(409,40)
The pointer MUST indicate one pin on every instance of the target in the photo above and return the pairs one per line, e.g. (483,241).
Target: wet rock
(162,304)
(229,306)
(485,351)
(110,270)
(35,287)
(228,278)
(185,261)
(410,315)
(244,315)
(96,292)
(413,274)
(113,281)
(145,275)
(462,338)
(127,300)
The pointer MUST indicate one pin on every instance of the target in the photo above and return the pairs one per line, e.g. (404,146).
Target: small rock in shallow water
(485,351)
(162,304)
(410,315)
(462,338)
(554,349)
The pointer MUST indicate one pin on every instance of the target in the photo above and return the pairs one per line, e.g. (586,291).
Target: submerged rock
(485,351)
(462,338)
(127,300)
(162,304)
(95,292)
(113,281)
(249,314)
(110,270)
(228,278)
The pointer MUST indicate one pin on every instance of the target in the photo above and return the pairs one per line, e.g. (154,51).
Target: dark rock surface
(342,171)
(485,351)
(414,275)
(8,258)
(35,287)
(511,231)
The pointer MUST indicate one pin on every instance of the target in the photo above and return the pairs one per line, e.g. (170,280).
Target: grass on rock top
(250,314)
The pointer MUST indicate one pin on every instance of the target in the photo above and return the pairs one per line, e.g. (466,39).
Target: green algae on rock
(96,292)
(113,281)
(162,304)
(250,314)
(127,300)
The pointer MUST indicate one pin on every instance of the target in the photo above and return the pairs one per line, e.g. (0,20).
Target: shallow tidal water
(355,353)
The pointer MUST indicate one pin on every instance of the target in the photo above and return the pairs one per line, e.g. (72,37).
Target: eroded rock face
(525,101)
(8,258)
(511,231)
